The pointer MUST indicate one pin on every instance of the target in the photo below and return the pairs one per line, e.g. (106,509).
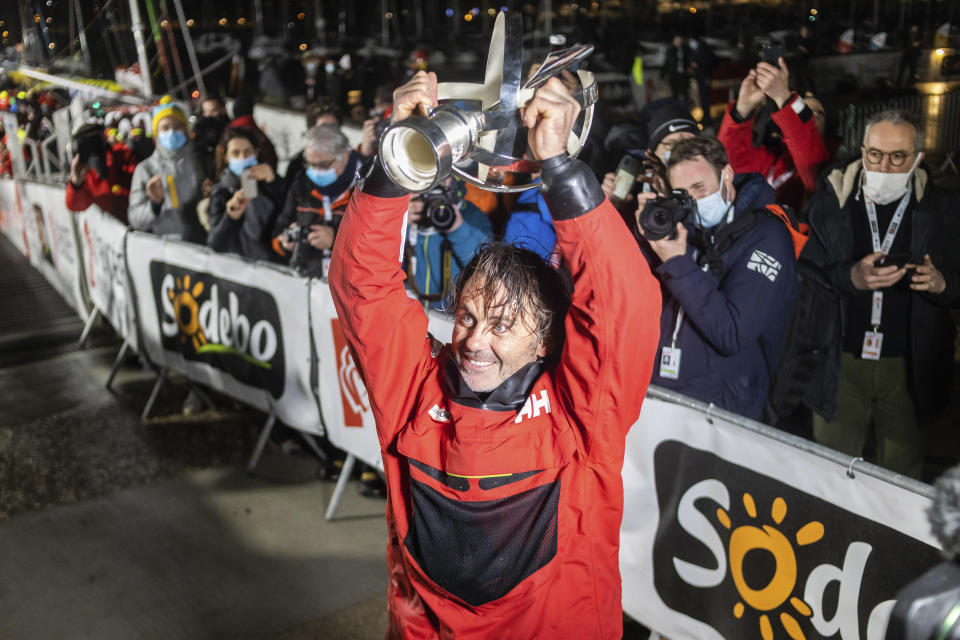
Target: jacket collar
(845,181)
(509,396)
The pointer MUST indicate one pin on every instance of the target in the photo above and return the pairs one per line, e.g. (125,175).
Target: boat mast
(137,24)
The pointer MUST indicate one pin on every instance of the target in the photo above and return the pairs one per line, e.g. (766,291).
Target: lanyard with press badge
(670,356)
(873,338)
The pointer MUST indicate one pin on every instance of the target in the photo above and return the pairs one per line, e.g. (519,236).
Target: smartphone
(248,185)
(771,52)
(626,180)
(893,259)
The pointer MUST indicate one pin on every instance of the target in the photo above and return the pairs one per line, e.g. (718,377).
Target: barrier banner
(728,533)
(238,326)
(11,215)
(343,396)
(51,241)
(102,241)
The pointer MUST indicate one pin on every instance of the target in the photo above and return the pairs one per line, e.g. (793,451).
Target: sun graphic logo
(749,539)
(186,310)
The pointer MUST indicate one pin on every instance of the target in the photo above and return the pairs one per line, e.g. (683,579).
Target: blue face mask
(172,139)
(322,177)
(237,165)
(712,209)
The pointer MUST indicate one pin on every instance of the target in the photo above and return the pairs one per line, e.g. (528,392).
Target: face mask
(237,165)
(322,177)
(171,139)
(884,188)
(666,157)
(712,209)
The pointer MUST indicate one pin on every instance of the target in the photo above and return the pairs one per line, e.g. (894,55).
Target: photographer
(444,233)
(305,231)
(782,140)
(727,286)
(167,186)
(99,173)
(242,215)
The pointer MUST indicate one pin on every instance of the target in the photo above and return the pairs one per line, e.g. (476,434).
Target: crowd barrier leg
(342,481)
(261,442)
(161,379)
(88,327)
(204,398)
(312,445)
(949,163)
(121,354)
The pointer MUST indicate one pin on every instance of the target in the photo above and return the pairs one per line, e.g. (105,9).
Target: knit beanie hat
(670,117)
(167,107)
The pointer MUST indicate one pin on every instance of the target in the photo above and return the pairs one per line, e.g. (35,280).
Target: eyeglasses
(897,158)
(324,165)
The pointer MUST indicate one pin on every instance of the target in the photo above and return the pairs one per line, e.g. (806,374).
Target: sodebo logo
(230,326)
(754,558)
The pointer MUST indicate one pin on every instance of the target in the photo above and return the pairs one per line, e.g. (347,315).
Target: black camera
(91,148)
(439,207)
(295,234)
(659,217)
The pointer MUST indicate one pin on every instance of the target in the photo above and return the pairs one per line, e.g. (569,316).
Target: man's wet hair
(523,285)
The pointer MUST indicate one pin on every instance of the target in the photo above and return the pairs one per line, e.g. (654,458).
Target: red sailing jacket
(793,172)
(502,524)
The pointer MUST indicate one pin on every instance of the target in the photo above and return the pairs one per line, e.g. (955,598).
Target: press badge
(670,363)
(872,343)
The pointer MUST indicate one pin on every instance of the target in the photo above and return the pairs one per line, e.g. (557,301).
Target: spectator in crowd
(791,151)
(323,111)
(238,223)
(727,288)
(316,200)
(213,107)
(702,64)
(806,47)
(435,257)
(530,225)
(243,117)
(676,67)
(167,186)
(895,356)
(910,58)
(668,123)
(100,173)
(503,450)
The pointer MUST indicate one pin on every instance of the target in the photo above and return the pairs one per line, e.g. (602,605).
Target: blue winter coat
(530,225)
(429,248)
(732,331)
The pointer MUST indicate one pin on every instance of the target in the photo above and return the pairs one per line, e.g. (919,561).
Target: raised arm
(612,326)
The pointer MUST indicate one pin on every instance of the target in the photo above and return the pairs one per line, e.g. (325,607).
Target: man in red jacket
(503,450)
(790,160)
(99,173)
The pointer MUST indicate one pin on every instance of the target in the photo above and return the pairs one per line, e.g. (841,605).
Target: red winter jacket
(792,172)
(503,524)
(110,193)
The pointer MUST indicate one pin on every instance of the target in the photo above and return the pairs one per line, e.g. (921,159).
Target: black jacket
(935,230)
(250,236)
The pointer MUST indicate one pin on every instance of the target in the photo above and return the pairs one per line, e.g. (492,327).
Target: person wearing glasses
(318,194)
(887,239)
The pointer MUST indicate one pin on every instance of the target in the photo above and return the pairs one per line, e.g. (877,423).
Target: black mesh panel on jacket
(479,551)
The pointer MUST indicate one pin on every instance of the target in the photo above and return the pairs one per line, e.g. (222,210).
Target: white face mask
(884,188)
(712,209)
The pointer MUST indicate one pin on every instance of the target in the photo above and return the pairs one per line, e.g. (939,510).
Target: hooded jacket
(110,192)
(251,235)
(935,230)
(731,333)
(177,214)
(503,515)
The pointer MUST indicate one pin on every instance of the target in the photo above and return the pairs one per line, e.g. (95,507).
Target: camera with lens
(659,216)
(439,207)
(91,147)
(295,234)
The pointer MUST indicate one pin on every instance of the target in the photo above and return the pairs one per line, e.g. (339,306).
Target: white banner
(728,533)
(11,215)
(235,325)
(51,240)
(102,242)
(343,396)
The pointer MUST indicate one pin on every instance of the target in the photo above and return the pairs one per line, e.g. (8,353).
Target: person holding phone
(772,130)
(886,237)
(246,201)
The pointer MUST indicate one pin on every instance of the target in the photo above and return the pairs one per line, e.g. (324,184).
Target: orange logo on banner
(352,391)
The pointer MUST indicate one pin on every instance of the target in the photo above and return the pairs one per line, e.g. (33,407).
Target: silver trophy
(473,133)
